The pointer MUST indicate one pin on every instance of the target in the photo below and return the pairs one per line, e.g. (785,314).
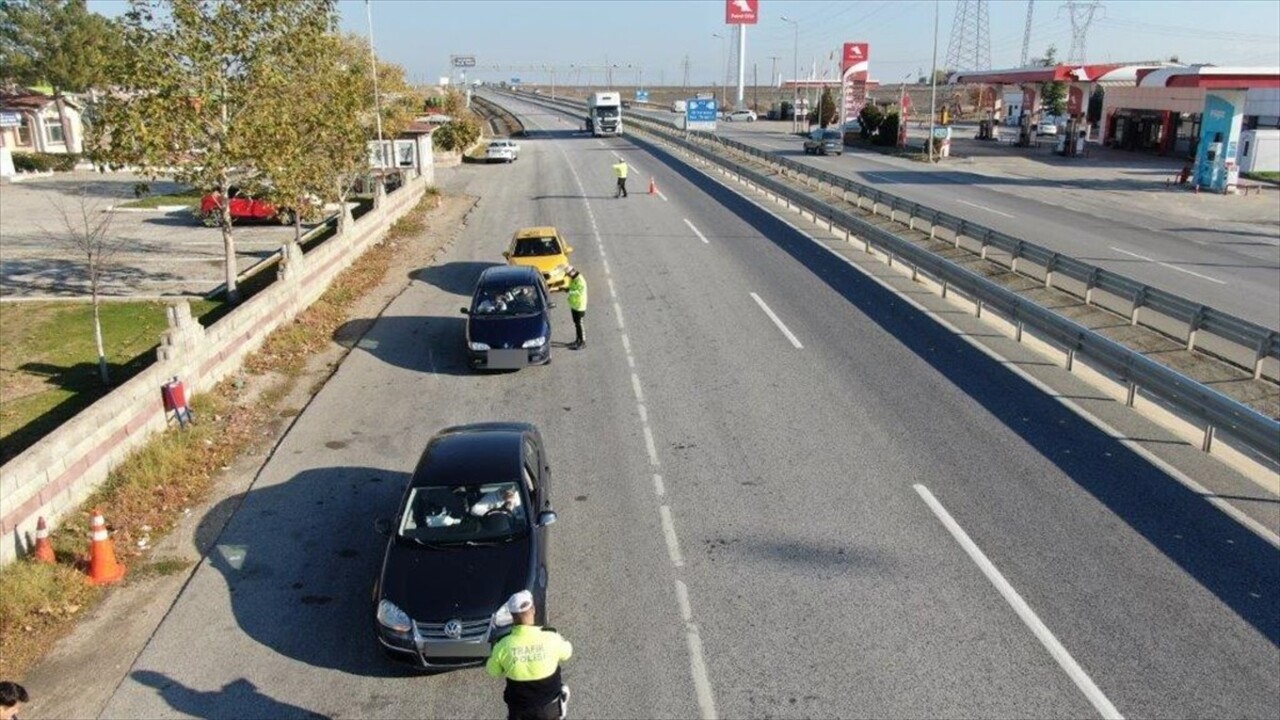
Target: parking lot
(163,252)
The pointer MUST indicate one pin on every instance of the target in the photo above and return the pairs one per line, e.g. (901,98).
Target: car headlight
(477,346)
(392,617)
(536,342)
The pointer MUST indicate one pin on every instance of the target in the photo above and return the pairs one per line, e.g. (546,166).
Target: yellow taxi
(541,248)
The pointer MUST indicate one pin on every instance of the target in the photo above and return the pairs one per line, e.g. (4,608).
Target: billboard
(463,61)
(853,77)
(741,12)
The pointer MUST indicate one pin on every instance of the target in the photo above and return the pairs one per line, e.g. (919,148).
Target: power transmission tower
(1026,34)
(1081,14)
(970,47)
(685,66)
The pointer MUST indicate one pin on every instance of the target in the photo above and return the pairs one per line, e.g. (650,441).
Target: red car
(243,207)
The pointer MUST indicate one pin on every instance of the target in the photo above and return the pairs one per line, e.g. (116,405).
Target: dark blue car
(509,321)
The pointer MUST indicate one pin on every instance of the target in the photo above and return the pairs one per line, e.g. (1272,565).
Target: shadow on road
(237,699)
(458,278)
(1231,562)
(425,344)
(300,558)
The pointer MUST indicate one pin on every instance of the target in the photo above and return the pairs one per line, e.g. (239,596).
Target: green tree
(827,112)
(887,132)
(59,43)
(1094,112)
(1053,95)
(870,118)
(192,94)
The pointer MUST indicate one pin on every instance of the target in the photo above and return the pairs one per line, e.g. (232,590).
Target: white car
(503,149)
(741,115)
(1047,128)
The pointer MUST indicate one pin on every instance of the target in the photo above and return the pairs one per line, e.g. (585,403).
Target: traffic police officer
(577,306)
(529,658)
(620,171)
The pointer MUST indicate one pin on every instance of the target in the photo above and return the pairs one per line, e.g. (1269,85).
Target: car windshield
(831,135)
(537,247)
(507,300)
(460,514)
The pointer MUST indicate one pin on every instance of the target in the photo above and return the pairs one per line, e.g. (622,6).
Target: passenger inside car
(537,247)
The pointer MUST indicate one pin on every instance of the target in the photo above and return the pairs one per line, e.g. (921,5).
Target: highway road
(1170,240)
(782,491)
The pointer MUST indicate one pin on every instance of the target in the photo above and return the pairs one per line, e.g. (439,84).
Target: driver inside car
(506,499)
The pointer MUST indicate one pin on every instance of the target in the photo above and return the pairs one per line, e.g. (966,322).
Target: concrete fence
(55,475)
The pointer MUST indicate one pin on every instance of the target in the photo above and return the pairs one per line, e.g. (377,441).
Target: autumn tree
(58,43)
(192,94)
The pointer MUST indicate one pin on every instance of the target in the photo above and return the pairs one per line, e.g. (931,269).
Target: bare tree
(85,230)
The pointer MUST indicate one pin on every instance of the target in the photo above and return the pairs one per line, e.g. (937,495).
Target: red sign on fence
(741,12)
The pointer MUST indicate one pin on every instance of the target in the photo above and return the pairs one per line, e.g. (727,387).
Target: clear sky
(656,35)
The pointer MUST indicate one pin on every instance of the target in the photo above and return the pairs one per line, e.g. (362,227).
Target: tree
(1053,95)
(192,93)
(85,230)
(887,132)
(827,112)
(870,118)
(1094,112)
(57,43)
(1050,58)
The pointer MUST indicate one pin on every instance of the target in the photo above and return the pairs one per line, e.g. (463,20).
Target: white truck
(679,106)
(604,113)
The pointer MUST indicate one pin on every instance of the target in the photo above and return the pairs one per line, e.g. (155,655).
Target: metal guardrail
(1217,411)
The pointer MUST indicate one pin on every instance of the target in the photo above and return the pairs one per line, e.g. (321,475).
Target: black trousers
(547,712)
(577,325)
(622,188)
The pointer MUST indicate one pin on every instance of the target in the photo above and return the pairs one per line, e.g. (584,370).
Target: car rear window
(831,135)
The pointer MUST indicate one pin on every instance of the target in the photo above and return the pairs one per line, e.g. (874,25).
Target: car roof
(469,454)
(508,275)
(536,232)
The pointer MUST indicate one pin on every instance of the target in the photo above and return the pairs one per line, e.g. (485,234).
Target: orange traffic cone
(44,549)
(103,568)
(653,187)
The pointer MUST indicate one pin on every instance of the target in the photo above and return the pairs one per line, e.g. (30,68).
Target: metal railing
(1216,411)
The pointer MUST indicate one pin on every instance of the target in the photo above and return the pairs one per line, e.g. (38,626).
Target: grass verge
(145,497)
(49,365)
(1265,176)
(151,202)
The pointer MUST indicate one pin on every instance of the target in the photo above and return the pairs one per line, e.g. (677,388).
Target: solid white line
(626,343)
(669,531)
(658,487)
(701,683)
(777,322)
(635,386)
(664,197)
(983,207)
(1168,265)
(617,310)
(644,414)
(682,597)
(1024,611)
(881,178)
(612,292)
(701,237)
(650,447)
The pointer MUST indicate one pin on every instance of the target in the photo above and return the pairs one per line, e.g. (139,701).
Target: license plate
(508,359)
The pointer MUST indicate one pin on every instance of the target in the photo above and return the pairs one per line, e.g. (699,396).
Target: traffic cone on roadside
(653,186)
(103,568)
(44,549)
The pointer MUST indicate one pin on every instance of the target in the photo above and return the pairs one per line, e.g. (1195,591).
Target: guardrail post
(977,307)
(986,242)
(1197,318)
(1017,254)
(1071,358)
(1260,354)
(1139,299)
(945,286)
(1049,269)
(1089,284)
(890,254)
(1132,393)
(1207,444)
(915,272)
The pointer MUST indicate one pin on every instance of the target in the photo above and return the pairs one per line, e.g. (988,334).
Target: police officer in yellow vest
(577,306)
(620,171)
(529,658)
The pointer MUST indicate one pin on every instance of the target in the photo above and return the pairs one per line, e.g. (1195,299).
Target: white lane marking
(701,683)
(635,386)
(626,341)
(701,237)
(881,178)
(644,414)
(658,487)
(612,292)
(682,597)
(669,530)
(664,197)
(984,207)
(1171,267)
(777,322)
(617,310)
(1023,610)
(650,447)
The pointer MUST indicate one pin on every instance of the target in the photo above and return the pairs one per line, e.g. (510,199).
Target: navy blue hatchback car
(509,321)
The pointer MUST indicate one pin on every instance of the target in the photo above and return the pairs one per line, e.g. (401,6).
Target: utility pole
(795,72)
(685,66)
(724,50)
(933,82)
(773,73)
(742,63)
(377,101)
(755,85)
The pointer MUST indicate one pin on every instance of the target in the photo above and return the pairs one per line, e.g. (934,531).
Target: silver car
(504,149)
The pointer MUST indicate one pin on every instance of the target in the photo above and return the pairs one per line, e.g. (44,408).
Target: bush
(870,118)
(44,162)
(887,133)
(456,135)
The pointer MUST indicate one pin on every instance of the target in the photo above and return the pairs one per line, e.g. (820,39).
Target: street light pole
(377,102)
(933,82)
(795,70)
(724,54)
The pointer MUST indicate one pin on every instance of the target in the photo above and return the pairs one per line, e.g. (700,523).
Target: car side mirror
(547,517)
(382,526)
(464,311)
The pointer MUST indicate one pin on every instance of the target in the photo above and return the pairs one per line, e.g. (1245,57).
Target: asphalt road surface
(1227,259)
(782,492)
